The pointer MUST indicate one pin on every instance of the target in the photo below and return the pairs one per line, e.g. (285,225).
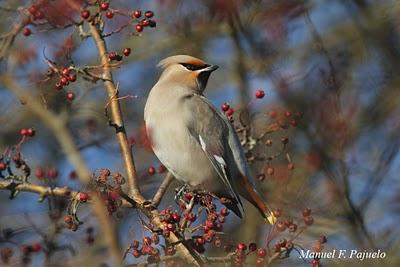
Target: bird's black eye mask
(192,67)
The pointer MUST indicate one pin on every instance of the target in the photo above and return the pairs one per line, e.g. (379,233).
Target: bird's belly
(181,153)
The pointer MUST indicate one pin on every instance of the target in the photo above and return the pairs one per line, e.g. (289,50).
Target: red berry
(85,14)
(188,196)
(225,107)
(109,14)
(145,22)
(252,246)
(272,114)
(288,113)
(229,112)
(200,241)
(308,220)
(151,170)
(26,31)
(23,131)
(152,23)
(36,247)
(38,15)
(270,171)
(104,6)
(280,226)
(32,9)
(147,241)
(52,172)
(176,217)
(30,132)
(65,71)
(277,213)
(72,77)
(261,252)
(149,14)
(191,217)
(70,96)
(260,94)
(306,212)
(224,212)
(268,142)
(161,168)
(83,196)
(170,227)
(136,14)
(285,140)
(139,28)
(127,51)
(64,81)
(3,166)
(136,253)
(112,56)
(241,246)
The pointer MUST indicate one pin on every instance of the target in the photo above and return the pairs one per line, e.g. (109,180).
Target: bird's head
(186,71)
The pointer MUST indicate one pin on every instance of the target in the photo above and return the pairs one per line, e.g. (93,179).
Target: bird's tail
(249,193)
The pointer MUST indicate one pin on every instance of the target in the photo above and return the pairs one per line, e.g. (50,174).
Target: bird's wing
(211,131)
(221,144)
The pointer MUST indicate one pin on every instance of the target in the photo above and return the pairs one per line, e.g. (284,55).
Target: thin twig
(162,189)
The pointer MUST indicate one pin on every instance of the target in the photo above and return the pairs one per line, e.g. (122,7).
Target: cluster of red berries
(318,247)
(66,76)
(226,108)
(242,251)
(145,22)
(286,224)
(112,200)
(148,248)
(117,57)
(152,170)
(40,173)
(28,132)
(27,250)
(109,192)
(35,12)
(104,7)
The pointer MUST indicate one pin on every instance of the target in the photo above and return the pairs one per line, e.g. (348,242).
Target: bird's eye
(192,67)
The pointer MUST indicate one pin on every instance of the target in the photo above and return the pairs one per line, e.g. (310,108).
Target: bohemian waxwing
(197,143)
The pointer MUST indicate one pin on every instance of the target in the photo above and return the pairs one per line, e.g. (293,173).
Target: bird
(194,140)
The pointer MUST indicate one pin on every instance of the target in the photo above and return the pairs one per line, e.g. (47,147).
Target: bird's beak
(210,68)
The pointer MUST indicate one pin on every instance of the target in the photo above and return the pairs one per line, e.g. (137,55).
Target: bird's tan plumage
(196,143)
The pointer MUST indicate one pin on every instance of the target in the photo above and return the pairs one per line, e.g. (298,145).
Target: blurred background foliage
(335,61)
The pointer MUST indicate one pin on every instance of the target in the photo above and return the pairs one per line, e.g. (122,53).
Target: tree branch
(116,116)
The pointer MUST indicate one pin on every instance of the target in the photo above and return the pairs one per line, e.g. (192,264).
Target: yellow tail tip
(271,219)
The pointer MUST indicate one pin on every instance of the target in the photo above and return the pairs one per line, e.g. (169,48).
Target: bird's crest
(165,63)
